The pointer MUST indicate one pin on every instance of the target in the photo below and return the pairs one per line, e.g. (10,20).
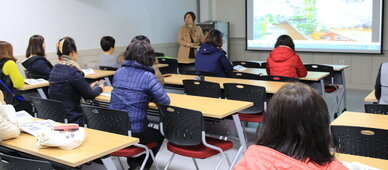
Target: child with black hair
(106,59)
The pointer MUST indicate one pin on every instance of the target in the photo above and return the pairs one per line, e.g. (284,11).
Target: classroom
(193,84)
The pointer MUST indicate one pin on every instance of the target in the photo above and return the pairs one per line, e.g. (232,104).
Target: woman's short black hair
(140,38)
(140,51)
(66,46)
(214,37)
(107,42)
(192,15)
(286,41)
(296,124)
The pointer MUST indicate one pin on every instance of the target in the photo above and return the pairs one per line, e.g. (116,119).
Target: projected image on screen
(316,25)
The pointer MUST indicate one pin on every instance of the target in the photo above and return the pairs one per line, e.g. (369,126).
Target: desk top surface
(97,144)
(270,86)
(373,162)
(34,86)
(362,120)
(311,75)
(371,97)
(162,65)
(100,74)
(186,61)
(210,107)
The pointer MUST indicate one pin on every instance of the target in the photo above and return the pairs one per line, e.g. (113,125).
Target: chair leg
(219,162)
(121,163)
(195,163)
(169,161)
(236,158)
(153,159)
(145,159)
(108,163)
(244,130)
(227,158)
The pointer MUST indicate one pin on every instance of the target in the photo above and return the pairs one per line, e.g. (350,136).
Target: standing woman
(36,63)
(283,61)
(190,36)
(67,82)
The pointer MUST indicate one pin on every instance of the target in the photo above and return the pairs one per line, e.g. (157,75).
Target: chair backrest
(244,92)
(278,78)
(181,126)
(159,54)
(12,162)
(240,75)
(202,88)
(376,108)
(108,120)
(32,76)
(246,64)
(361,141)
(263,65)
(202,73)
(107,68)
(50,109)
(172,65)
(322,68)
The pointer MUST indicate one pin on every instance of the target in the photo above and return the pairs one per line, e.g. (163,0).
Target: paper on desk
(34,81)
(358,166)
(22,117)
(107,94)
(88,71)
(239,68)
(35,128)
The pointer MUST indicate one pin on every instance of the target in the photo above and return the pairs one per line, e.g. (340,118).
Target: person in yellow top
(11,77)
(189,38)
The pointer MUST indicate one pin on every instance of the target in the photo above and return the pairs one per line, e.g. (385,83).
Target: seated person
(36,63)
(67,82)
(294,134)
(134,86)
(211,58)
(106,59)
(283,61)
(381,86)
(8,123)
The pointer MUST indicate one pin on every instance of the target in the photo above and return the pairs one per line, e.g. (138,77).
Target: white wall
(363,67)
(88,20)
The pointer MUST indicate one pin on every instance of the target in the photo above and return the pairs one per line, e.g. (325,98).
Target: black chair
(50,109)
(246,64)
(369,142)
(116,121)
(263,65)
(330,86)
(108,68)
(240,75)
(202,88)
(17,163)
(185,131)
(159,54)
(278,78)
(172,65)
(199,73)
(376,108)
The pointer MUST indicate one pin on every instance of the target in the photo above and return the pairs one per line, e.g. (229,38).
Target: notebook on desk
(34,81)
(239,68)
(88,71)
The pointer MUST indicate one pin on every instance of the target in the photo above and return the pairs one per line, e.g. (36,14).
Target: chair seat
(258,117)
(200,151)
(132,150)
(331,88)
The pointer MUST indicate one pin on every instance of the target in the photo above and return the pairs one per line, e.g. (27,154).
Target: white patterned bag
(61,139)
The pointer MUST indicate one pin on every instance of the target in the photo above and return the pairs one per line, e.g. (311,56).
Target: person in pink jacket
(294,133)
(283,61)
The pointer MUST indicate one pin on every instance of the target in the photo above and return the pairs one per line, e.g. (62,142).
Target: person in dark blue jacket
(211,58)
(134,86)
(36,63)
(67,82)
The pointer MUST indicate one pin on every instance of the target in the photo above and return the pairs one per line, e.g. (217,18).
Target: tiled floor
(355,102)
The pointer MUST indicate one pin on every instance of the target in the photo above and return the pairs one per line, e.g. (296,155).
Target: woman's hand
(93,84)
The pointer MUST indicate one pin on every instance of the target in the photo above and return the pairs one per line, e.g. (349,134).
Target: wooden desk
(371,97)
(270,86)
(311,75)
(162,65)
(362,120)
(101,74)
(97,144)
(38,88)
(335,67)
(215,108)
(186,61)
(373,162)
